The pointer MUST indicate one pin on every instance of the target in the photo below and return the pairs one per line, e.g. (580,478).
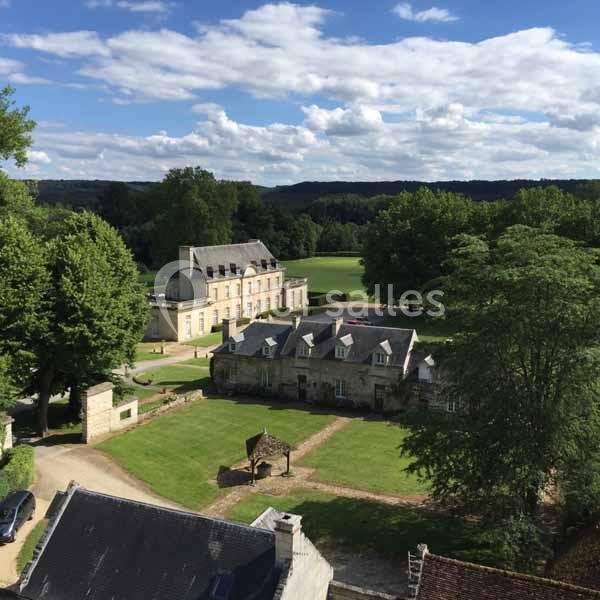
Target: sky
(277,93)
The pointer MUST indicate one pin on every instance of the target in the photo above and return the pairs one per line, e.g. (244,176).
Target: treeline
(407,244)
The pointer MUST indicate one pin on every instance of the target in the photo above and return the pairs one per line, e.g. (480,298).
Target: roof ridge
(514,574)
(165,508)
(255,242)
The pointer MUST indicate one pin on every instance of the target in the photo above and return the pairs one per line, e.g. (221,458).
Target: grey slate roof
(105,547)
(242,255)
(366,340)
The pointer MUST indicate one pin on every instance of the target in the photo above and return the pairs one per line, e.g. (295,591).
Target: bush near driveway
(365,455)
(18,471)
(362,524)
(178,454)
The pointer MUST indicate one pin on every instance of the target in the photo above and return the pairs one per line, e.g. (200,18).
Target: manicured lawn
(327,273)
(148,351)
(212,339)
(26,552)
(148,406)
(198,362)
(176,377)
(178,454)
(365,455)
(360,524)
(429,329)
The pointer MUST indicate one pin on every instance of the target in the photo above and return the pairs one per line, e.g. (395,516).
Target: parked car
(15,510)
(359,321)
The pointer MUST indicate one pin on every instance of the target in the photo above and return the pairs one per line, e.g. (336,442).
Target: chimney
(288,533)
(295,322)
(335,326)
(229,328)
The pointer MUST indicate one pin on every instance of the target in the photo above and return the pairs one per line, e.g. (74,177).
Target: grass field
(326,273)
(148,351)
(429,329)
(365,455)
(176,377)
(208,340)
(360,524)
(26,552)
(178,454)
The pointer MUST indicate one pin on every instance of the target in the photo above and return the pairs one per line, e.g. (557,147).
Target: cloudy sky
(286,92)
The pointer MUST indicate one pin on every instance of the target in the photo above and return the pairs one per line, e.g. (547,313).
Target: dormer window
(305,346)
(302,350)
(268,349)
(233,268)
(342,347)
(209,271)
(382,354)
(235,341)
(340,352)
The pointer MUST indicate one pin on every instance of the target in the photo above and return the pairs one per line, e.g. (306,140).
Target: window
(239,289)
(249,287)
(341,390)
(201,324)
(258,306)
(267,351)
(188,327)
(268,303)
(340,352)
(227,312)
(452,405)
(266,379)
(302,350)
(215,293)
(232,373)
(259,285)
(232,346)
(249,309)
(238,311)
(268,283)
(126,414)
(215,317)
(380,358)
(227,291)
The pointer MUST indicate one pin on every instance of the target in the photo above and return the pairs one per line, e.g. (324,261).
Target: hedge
(18,471)
(349,253)
(321,299)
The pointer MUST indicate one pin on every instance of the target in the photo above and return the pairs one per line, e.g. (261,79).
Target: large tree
(15,128)
(524,370)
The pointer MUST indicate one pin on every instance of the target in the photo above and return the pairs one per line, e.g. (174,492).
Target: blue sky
(285,92)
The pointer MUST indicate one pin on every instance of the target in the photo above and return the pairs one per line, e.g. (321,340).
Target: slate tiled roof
(8,595)
(365,340)
(447,579)
(240,255)
(104,547)
(264,445)
(579,563)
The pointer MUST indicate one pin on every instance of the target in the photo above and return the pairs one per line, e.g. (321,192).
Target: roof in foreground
(447,579)
(106,547)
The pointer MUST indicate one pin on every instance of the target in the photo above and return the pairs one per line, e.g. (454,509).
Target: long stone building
(213,283)
(330,363)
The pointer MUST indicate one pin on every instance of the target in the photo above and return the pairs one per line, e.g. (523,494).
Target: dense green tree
(15,128)
(340,237)
(525,371)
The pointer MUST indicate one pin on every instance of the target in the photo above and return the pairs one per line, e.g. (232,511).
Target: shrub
(19,470)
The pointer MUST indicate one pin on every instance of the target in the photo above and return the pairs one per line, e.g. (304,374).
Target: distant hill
(302,194)
(81,193)
(78,193)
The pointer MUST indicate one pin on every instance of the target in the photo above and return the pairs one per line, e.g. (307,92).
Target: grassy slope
(326,273)
(212,339)
(389,530)
(26,552)
(177,377)
(365,455)
(180,452)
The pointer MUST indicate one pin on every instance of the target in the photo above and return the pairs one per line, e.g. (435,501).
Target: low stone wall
(178,401)
(6,424)
(343,591)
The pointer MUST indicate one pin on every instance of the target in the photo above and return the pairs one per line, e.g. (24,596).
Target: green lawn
(179,453)
(429,329)
(198,362)
(176,377)
(327,273)
(365,455)
(212,339)
(148,406)
(26,552)
(360,524)
(148,351)
(60,420)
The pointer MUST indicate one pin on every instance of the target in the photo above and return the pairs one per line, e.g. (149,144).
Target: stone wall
(100,417)
(6,425)
(343,591)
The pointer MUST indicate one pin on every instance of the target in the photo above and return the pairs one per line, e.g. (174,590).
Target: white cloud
(440,15)
(24,79)
(139,6)
(66,45)
(8,66)
(339,122)
(38,157)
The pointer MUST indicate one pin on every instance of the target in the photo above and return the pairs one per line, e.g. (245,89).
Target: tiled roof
(241,255)
(579,563)
(264,445)
(364,340)
(102,547)
(447,579)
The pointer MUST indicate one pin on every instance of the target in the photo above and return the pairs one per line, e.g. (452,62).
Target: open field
(361,524)
(210,339)
(179,454)
(148,351)
(429,329)
(326,273)
(365,455)
(179,378)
